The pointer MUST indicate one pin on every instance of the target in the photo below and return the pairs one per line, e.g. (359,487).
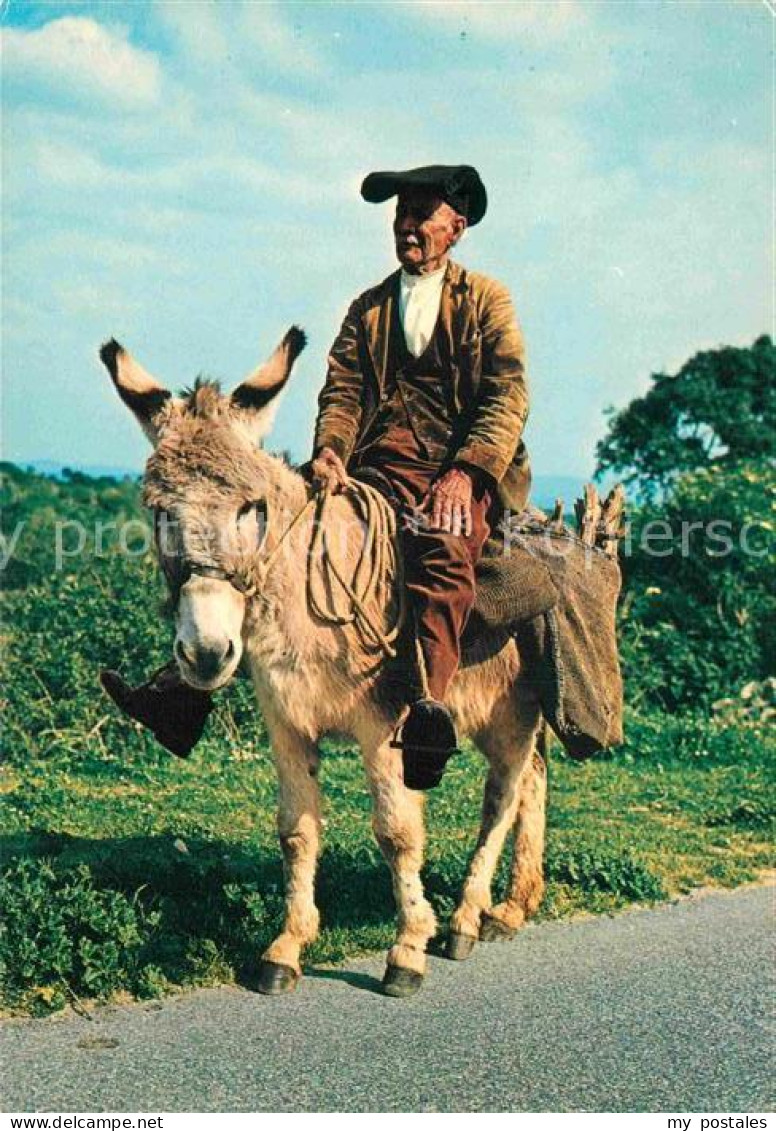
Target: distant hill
(546,488)
(55,469)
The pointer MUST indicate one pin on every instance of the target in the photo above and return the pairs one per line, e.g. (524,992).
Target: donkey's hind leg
(397,819)
(508,743)
(526,885)
(299,824)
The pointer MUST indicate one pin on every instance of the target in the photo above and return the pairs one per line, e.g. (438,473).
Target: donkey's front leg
(299,825)
(397,819)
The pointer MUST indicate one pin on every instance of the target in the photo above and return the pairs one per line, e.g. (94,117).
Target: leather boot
(175,712)
(427,740)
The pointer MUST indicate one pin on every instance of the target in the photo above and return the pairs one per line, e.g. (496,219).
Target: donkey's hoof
(459,947)
(400,982)
(275,978)
(495,930)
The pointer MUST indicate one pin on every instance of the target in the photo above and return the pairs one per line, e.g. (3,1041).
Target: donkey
(240,588)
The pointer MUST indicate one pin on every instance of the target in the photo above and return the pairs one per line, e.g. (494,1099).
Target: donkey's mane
(204,455)
(205,398)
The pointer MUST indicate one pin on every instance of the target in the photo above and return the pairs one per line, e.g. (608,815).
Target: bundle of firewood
(600,524)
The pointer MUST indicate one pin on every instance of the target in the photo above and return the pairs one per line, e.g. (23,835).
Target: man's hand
(449,503)
(329,472)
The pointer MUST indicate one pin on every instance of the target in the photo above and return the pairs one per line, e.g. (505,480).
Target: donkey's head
(207,484)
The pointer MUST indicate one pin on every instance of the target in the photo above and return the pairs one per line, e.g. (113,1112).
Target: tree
(720,408)
(698,616)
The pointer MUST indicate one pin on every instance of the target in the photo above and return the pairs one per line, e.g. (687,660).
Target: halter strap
(369,585)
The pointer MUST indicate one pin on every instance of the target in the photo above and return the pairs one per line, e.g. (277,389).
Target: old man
(425,393)
(425,396)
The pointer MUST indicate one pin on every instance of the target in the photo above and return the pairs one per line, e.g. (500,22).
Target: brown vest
(416,420)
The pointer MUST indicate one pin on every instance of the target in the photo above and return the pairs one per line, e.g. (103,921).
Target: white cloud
(627,237)
(109,254)
(228,182)
(245,37)
(67,166)
(278,41)
(531,21)
(78,57)
(200,37)
(81,299)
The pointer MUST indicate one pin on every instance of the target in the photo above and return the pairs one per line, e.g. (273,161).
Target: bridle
(195,569)
(377,563)
(187,567)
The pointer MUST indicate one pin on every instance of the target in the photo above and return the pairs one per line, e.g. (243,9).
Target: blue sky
(184,177)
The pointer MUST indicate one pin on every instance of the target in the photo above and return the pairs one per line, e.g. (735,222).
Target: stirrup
(427,740)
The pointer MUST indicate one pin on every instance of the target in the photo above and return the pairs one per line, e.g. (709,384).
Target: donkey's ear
(254,397)
(138,389)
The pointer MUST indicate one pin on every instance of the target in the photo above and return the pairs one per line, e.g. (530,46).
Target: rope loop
(366,594)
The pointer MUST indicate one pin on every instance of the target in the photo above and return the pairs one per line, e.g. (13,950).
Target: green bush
(103,895)
(68,933)
(697,453)
(696,738)
(697,619)
(718,410)
(606,870)
(63,938)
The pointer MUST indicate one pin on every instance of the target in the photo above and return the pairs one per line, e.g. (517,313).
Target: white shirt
(420,297)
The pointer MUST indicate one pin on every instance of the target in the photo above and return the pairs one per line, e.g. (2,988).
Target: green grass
(128,871)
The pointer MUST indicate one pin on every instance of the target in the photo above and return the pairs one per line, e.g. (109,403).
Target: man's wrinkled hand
(449,503)
(329,472)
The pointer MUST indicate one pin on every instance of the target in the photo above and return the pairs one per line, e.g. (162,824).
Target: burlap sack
(570,647)
(511,588)
(558,597)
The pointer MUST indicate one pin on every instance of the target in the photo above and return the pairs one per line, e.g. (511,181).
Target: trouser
(438,570)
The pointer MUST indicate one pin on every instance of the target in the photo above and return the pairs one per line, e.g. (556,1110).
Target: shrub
(62,937)
(603,870)
(697,621)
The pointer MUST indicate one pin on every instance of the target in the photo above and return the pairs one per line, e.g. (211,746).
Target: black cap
(459,185)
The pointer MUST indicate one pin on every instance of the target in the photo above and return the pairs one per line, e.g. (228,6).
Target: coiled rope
(367,594)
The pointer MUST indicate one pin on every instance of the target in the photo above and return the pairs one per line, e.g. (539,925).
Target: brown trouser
(439,572)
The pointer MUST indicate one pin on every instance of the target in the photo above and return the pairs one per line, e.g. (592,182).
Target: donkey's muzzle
(204,664)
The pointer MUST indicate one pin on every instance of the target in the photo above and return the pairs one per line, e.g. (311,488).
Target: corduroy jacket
(485,348)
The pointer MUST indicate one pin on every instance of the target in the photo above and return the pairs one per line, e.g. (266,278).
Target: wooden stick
(588,512)
(611,522)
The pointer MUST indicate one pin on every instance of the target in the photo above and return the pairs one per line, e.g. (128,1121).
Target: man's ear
(255,400)
(460,224)
(140,392)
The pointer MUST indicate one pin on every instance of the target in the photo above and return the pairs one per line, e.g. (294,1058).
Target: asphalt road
(654,1010)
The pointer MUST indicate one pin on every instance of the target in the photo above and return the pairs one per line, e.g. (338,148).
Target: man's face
(425,229)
